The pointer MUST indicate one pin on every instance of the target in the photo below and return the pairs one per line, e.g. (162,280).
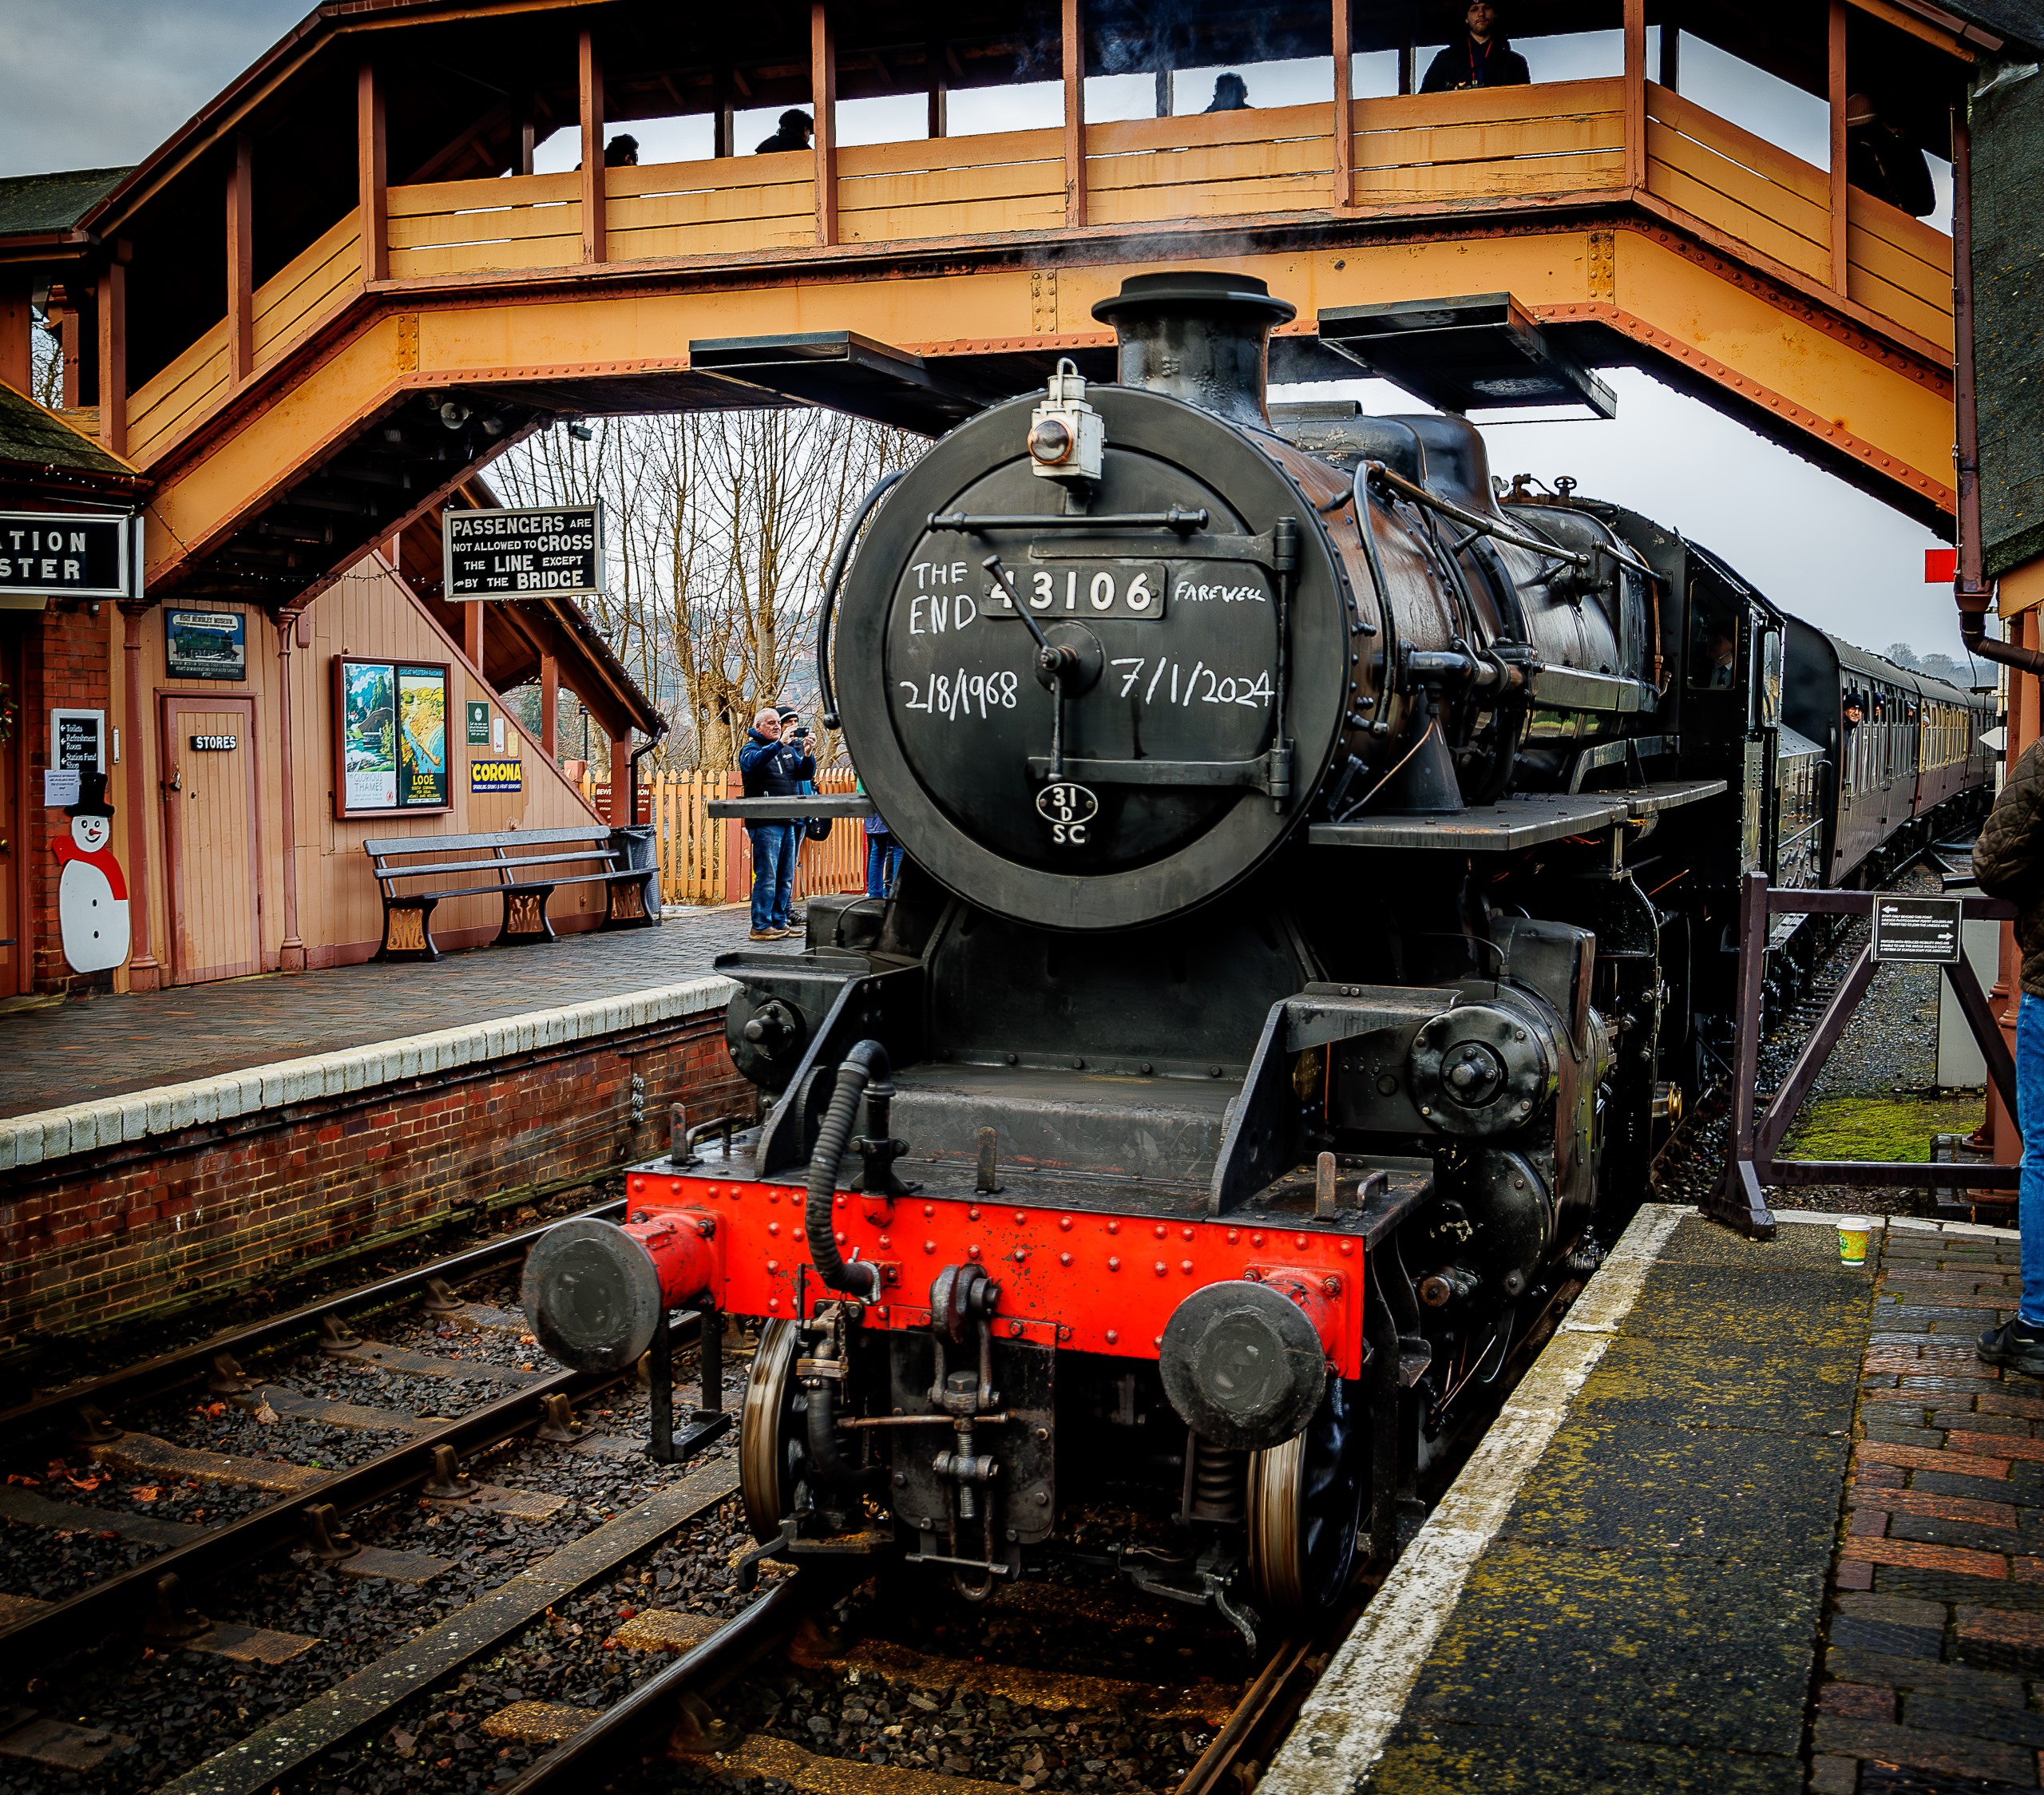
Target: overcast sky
(96,83)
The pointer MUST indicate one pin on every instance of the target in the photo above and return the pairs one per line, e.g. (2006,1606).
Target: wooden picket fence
(706,860)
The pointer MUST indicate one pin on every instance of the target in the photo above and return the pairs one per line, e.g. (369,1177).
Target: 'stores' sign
(58,554)
(513,554)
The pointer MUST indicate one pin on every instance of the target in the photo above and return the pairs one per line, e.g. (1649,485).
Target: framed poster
(390,737)
(205,644)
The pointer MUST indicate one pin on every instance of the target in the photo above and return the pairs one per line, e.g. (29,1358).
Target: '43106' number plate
(1133,590)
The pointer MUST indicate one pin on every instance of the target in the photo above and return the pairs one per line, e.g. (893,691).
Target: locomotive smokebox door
(1095,704)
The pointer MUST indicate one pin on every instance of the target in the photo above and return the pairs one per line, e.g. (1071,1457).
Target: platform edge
(1346,1722)
(44,1135)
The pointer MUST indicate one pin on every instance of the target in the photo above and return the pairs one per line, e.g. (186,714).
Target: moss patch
(1880,1127)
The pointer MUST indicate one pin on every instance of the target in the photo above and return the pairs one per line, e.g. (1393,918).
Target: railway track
(817,1688)
(164,1524)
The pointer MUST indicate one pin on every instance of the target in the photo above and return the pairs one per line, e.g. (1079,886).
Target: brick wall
(68,672)
(119,1230)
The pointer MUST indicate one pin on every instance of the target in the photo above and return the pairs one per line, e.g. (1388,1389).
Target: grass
(1882,1127)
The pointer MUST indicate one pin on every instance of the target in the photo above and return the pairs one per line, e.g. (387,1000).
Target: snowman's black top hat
(92,794)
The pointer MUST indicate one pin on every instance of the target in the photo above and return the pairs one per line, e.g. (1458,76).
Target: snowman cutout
(92,897)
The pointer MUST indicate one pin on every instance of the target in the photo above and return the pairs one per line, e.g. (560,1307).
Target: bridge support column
(595,241)
(823,101)
(114,353)
(1635,93)
(1074,35)
(550,706)
(17,339)
(241,260)
(372,175)
(1837,84)
(144,973)
(291,954)
(1345,109)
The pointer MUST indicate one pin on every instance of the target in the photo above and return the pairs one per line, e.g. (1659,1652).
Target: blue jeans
(784,893)
(2030,1104)
(773,873)
(883,866)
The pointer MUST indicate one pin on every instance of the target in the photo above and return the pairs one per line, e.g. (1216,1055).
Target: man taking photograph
(773,766)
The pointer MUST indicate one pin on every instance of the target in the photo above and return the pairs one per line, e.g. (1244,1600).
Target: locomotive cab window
(1769,694)
(1714,657)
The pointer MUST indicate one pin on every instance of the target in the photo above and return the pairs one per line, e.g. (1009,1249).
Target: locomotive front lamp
(1066,434)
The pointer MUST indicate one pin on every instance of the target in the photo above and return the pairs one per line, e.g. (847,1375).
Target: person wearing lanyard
(1481,56)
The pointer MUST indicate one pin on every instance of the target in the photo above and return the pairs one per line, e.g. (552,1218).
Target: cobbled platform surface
(108,1046)
(1933,1667)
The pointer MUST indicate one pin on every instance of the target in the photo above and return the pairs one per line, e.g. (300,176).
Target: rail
(1907,930)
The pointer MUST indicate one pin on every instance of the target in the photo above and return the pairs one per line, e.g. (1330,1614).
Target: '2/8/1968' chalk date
(1169,682)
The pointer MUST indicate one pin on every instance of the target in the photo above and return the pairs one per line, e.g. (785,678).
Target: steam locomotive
(1320,875)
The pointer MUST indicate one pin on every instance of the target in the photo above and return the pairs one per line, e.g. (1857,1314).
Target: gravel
(180,1707)
(1064,1624)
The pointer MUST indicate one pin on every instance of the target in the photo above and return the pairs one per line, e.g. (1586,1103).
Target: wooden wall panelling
(321,276)
(369,612)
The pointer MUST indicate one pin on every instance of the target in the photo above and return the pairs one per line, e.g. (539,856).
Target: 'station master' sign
(514,554)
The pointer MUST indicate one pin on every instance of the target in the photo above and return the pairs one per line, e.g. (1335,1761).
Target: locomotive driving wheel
(1305,1508)
(770,1456)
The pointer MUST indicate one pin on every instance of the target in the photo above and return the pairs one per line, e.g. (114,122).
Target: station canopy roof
(42,456)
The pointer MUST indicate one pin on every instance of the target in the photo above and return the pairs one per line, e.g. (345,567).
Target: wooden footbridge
(340,289)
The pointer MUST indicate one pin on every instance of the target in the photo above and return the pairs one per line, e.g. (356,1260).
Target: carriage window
(1714,658)
(1770,680)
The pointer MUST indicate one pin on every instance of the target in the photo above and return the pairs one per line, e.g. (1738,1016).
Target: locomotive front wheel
(1305,1499)
(769,1452)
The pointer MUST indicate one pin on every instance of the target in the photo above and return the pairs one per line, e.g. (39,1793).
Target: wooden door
(210,829)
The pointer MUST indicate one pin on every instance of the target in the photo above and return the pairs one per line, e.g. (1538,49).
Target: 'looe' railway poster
(391,729)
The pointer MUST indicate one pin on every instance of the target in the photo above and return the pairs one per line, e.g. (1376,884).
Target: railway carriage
(1321,873)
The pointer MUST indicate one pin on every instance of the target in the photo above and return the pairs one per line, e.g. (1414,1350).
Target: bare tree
(46,378)
(720,525)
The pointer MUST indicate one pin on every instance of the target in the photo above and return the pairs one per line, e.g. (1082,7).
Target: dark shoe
(2016,1344)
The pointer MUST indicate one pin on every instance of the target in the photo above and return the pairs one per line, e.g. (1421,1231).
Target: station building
(246,754)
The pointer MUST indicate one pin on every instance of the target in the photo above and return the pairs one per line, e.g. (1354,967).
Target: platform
(1755,1521)
(156,1149)
(64,1053)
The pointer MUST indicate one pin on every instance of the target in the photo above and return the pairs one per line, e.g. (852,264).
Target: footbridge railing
(1907,930)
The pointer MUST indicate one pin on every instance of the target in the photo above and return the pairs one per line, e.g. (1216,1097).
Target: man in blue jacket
(773,767)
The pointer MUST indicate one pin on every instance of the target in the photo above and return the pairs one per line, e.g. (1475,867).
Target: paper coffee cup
(1853,1232)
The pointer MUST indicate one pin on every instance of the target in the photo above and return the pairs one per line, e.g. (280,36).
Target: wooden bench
(518,866)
